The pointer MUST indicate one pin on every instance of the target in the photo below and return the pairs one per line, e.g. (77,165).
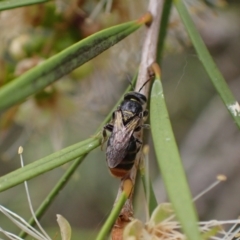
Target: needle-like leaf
(64,62)
(9,4)
(215,75)
(47,163)
(170,163)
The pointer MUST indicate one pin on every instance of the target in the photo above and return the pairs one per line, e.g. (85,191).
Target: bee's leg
(108,127)
(140,144)
(145,113)
(138,141)
(146,126)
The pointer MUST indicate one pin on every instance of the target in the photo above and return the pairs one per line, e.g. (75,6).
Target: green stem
(163,28)
(149,193)
(112,217)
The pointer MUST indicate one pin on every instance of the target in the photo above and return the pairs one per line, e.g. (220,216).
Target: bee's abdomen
(118,172)
(125,166)
(122,169)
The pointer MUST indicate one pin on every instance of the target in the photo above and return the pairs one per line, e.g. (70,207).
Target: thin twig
(149,51)
(148,57)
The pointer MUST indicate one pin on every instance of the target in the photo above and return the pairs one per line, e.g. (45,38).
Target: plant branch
(149,51)
(149,54)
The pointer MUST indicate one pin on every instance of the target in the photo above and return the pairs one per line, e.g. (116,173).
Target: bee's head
(136,96)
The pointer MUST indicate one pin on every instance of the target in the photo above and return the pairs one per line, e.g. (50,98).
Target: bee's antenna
(144,84)
(151,76)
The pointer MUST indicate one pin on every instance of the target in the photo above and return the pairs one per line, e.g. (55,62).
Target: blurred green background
(71,109)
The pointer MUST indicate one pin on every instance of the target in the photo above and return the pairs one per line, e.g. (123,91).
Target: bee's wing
(119,139)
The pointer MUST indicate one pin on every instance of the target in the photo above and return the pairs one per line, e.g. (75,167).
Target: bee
(123,143)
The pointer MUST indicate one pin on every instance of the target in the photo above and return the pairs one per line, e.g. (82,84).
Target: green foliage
(47,163)
(9,4)
(112,217)
(62,63)
(73,56)
(148,190)
(170,164)
(67,175)
(215,75)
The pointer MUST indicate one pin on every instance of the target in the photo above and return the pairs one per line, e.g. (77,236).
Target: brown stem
(149,53)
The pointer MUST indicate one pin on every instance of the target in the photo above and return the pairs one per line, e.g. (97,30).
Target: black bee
(123,143)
